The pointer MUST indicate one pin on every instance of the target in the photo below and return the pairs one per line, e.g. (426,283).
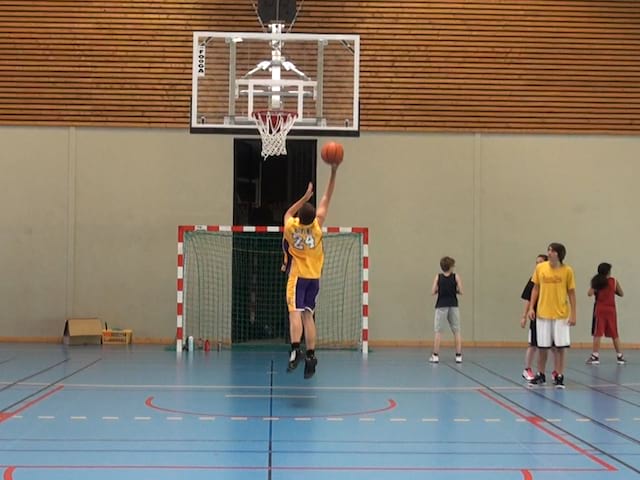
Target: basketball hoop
(273,126)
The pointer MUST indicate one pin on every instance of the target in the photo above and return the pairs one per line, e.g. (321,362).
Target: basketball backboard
(313,76)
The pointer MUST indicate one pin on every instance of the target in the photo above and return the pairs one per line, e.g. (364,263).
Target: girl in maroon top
(605,321)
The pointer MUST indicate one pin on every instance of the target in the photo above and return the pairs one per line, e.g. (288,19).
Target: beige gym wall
(90,217)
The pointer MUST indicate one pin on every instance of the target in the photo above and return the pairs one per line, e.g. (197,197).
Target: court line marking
(381,389)
(231,395)
(307,419)
(10,469)
(6,415)
(537,423)
(594,447)
(391,405)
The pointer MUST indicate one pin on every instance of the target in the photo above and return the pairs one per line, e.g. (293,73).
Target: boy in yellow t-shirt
(554,291)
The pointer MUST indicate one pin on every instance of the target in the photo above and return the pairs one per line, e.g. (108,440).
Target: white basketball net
(273,127)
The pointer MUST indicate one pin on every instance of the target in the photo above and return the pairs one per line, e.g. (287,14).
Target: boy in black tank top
(447,286)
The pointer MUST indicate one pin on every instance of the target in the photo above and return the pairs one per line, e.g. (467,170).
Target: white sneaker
(458,358)
(528,374)
(434,358)
(593,360)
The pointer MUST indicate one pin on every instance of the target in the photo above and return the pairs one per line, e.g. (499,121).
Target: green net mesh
(234,290)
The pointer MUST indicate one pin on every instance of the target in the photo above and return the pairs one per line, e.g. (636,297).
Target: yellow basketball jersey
(554,284)
(304,246)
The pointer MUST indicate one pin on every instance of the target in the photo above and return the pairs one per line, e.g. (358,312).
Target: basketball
(332,153)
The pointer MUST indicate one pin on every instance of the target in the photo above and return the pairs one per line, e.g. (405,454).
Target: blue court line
(457,453)
(13,384)
(7,360)
(566,432)
(3,412)
(565,407)
(598,390)
(608,385)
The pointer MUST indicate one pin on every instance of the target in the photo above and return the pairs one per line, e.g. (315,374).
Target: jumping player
(305,258)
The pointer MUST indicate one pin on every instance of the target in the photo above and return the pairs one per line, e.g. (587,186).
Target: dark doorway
(263,191)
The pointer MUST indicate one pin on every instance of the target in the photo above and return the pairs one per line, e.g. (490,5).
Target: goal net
(231,289)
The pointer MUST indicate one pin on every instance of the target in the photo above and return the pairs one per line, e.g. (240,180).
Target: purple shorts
(302,293)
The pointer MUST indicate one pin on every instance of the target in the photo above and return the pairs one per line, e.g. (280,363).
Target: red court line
(391,405)
(7,415)
(537,422)
(8,473)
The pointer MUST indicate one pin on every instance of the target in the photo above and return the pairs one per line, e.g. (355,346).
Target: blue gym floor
(142,412)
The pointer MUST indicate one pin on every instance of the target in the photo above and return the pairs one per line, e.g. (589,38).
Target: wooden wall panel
(475,65)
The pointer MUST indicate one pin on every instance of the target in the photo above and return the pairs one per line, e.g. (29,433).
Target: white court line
(174,419)
(46,417)
(553,420)
(282,388)
(492,420)
(207,419)
(461,419)
(78,417)
(612,419)
(142,418)
(334,419)
(302,419)
(583,419)
(275,419)
(367,419)
(110,418)
(239,419)
(430,419)
(397,419)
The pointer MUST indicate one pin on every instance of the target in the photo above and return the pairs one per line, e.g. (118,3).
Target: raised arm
(321,213)
(293,209)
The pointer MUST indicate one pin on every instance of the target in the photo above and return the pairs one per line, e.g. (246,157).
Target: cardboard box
(82,331)
(117,337)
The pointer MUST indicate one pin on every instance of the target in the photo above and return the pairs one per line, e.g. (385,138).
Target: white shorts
(553,333)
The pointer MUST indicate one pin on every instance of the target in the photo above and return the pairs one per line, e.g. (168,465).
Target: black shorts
(533,337)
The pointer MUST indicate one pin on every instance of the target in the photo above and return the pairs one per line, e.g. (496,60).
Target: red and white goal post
(231,289)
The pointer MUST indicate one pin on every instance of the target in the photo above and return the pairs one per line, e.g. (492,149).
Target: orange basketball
(332,153)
